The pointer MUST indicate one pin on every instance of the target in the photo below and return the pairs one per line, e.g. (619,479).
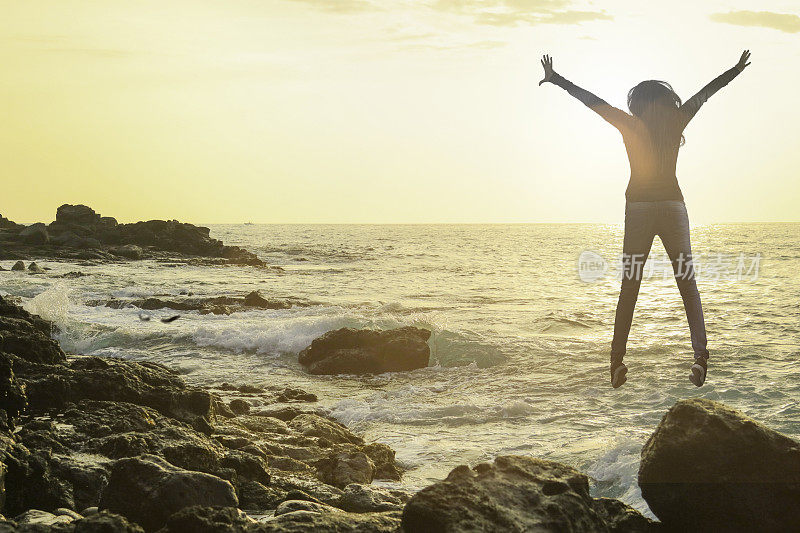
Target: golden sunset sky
(384,110)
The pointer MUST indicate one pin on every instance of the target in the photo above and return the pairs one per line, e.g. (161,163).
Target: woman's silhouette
(653,133)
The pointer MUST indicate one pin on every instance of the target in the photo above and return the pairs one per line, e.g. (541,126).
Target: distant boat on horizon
(249,224)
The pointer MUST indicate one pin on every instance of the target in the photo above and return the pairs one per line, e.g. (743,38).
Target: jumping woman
(653,133)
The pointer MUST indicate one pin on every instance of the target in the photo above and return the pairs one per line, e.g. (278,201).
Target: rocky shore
(102,444)
(79,233)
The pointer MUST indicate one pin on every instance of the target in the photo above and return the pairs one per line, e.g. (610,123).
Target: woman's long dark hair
(656,103)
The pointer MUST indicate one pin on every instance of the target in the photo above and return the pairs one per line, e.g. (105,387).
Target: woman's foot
(699,371)
(618,371)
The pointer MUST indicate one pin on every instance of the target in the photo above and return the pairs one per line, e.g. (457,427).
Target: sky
(384,111)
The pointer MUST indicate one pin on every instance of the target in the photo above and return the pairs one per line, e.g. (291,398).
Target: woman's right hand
(743,61)
(547,64)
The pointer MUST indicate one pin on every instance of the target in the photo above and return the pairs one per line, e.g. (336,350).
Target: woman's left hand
(547,64)
(744,60)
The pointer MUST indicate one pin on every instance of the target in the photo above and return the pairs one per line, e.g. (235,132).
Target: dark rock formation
(148,490)
(9,225)
(218,305)
(35,234)
(708,467)
(513,494)
(358,498)
(80,232)
(94,378)
(239,406)
(365,351)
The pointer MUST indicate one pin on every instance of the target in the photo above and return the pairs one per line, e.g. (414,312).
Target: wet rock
(27,336)
(384,459)
(19,265)
(254,299)
(291,394)
(35,516)
(709,467)
(304,521)
(35,234)
(281,413)
(367,499)
(512,494)
(67,512)
(316,426)
(12,393)
(198,519)
(343,467)
(290,506)
(621,518)
(247,465)
(33,268)
(148,490)
(105,522)
(139,382)
(352,351)
(128,251)
(239,407)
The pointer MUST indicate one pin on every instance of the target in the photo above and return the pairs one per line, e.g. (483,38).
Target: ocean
(522,318)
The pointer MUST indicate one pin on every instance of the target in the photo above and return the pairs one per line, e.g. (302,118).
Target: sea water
(522,318)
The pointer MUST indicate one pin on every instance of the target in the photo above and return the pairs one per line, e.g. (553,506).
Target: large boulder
(708,467)
(95,378)
(343,467)
(79,215)
(27,336)
(35,234)
(513,494)
(366,351)
(148,490)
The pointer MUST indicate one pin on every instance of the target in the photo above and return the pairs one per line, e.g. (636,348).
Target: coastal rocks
(513,494)
(27,336)
(80,232)
(217,305)
(239,406)
(343,467)
(367,499)
(148,489)
(94,378)
(305,521)
(8,224)
(78,215)
(35,234)
(132,437)
(128,251)
(18,266)
(708,467)
(333,432)
(198,519)
(352,351)
(43,518)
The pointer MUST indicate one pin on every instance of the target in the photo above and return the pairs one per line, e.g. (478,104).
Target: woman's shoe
(618,372)
(699,371)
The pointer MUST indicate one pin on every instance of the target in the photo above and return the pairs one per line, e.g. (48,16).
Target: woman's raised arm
(693,104)
(614,116)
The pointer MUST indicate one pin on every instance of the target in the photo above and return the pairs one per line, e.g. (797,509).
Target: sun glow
(376,111)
